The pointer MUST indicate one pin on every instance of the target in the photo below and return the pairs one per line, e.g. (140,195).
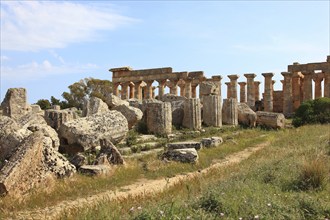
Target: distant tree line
(79,93)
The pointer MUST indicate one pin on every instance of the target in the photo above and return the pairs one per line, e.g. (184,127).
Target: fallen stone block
(246,116)
(184,145)
(270,119)
(87,132)
(188,155)
(132,114)
(95,170)
(211,142)
(94,105)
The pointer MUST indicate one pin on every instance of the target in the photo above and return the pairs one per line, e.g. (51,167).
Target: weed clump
(313,175)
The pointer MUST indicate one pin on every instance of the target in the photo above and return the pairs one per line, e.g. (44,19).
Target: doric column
(187,88)
(242,93)
(138,90)
(193,90)
(250,89)
(149,89)
(287,94)
(124,90)
(161,87)
(182,88)
(174,87)
(218,80)
(131,90)
(296,82)
(233,85)
(327,82)
(268,93)
(307,89)
(256,90)
(115,88)
(228,90)
(318,78)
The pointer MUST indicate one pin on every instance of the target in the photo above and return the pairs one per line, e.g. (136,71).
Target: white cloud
(35,70)
(4,58)
(36,25)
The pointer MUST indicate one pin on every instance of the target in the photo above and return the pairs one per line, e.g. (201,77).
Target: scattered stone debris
(211,142)
(187,155)
(246,116)
(184,145)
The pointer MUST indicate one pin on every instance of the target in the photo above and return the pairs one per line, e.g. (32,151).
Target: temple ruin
(298,83)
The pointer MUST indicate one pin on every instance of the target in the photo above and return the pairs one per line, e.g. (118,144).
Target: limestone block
(187,155)
(35,109)
(132,114)
(230,112)
(55,118)
(113,101)
(159,118)
(209,88)
(212,110)
(110,152)
(95,170)
(11,135)
(78,160)
(94,105)
(86,132)
(192,114)
(29,167)
(270,119)
(15,103)
(172,98)
(211,142)
(47,132)
(184,145)
(246,116)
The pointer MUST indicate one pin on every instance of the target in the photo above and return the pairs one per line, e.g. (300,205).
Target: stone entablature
(139,83)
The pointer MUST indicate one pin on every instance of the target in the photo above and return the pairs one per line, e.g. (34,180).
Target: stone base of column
(192,114)
(212,110)
(159,118)
(230,112)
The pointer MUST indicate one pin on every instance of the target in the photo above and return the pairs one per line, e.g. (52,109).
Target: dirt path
(142,187)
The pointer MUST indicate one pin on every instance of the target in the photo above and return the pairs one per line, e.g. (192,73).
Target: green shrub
(312,111)
(131,138)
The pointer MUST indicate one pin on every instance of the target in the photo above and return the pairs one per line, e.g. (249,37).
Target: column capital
(233,77)
(268,75)
(287,74)
(242,83)
(227,83)
(250,75)
(217,78)
(307,73)
(149,82)
(257,83)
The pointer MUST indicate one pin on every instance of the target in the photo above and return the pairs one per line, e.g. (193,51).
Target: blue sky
(48,45)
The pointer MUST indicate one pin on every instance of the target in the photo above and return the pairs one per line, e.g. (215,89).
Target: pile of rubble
(33,141)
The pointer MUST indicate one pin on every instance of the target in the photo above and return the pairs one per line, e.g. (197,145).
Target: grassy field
(288,179)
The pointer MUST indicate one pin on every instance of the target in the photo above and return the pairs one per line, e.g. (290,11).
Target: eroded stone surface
(211,142)
(87,132)
(209,88)
(14,104)
(95,105)
(30,166)
(270,119)
(246,115)
(230,112)
(192,118)
(55,118)
(95,170)
(159,118)
(184,145)
(132,114)
(187,155)
(212,110)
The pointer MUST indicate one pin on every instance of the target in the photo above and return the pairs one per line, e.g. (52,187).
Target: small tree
(44,104)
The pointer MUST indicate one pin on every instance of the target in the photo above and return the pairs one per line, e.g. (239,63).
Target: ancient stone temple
(139,83)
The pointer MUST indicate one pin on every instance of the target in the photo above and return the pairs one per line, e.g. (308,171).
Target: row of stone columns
(297,87)
(134,89)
